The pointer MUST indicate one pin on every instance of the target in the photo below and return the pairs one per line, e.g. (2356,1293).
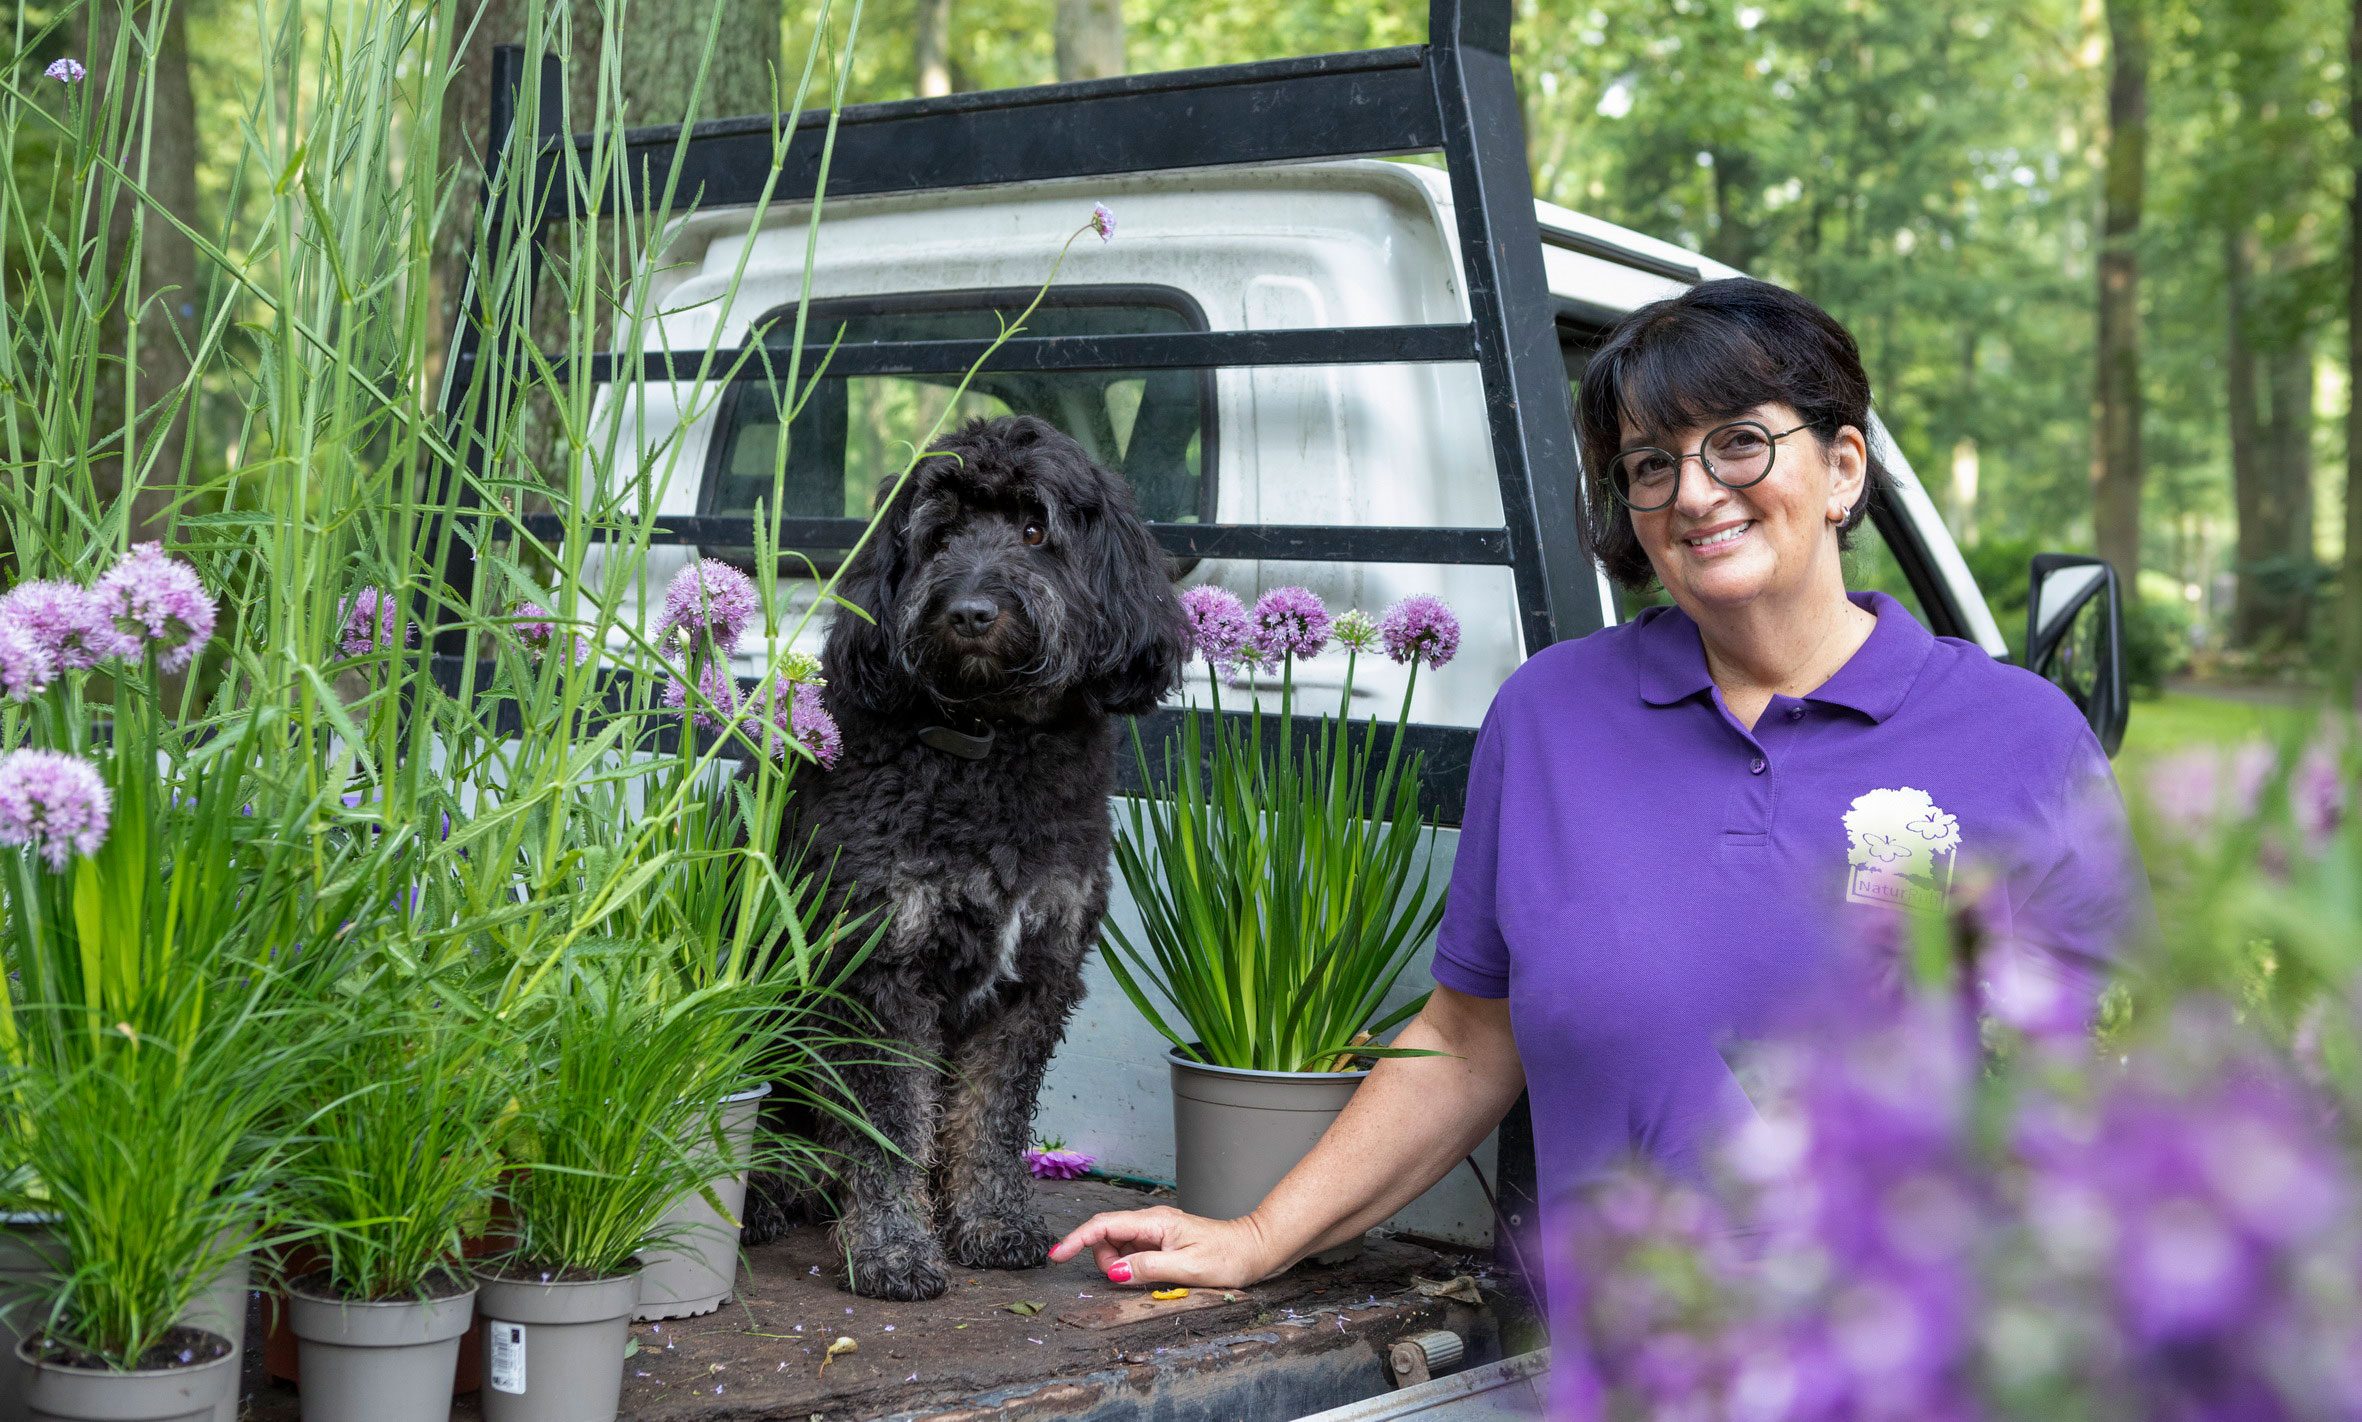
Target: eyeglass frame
(1615,485)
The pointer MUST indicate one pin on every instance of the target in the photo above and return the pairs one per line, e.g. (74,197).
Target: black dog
(1018,602)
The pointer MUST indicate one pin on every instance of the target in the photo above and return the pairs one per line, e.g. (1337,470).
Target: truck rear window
(1156,428)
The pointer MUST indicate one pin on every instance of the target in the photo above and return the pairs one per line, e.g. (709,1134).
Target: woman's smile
(1719,539)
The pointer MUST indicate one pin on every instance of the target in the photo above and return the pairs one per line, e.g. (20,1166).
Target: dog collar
(959,743)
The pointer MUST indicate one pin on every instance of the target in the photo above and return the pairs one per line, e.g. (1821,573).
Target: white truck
(1346,373)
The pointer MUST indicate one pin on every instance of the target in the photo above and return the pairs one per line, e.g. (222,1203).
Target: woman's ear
(1849,474)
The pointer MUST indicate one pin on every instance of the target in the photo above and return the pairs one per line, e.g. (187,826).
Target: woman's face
(1716,546)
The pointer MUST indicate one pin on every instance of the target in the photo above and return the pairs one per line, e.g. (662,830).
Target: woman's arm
(1410,1123)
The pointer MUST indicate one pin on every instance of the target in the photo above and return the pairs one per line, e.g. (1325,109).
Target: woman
(1671,823)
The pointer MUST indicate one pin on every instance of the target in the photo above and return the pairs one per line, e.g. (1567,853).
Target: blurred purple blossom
(367,620)
(1290,622)
(709,601)
(26,666)
(796,714)
(1218,625)
(1103,221)
(151,596)
(537,631)
(2317,793)
(1421,628)
(65,71)
(717,686)
(71,624)
(1058,1163)
(54,802)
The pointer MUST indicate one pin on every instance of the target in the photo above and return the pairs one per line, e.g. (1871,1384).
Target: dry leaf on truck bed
(1460,1288)
(842,1345)
(1024,1306)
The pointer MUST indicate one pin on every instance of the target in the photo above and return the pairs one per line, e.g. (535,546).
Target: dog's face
(1011,576)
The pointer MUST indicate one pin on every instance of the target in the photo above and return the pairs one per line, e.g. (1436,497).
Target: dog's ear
(1139,638)
(859,657)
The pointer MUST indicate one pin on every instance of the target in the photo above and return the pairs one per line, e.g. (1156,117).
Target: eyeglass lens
(1736,455)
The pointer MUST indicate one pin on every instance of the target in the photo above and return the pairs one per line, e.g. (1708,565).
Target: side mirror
(2075,638)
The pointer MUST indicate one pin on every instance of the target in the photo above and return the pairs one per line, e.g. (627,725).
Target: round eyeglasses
(1736,456)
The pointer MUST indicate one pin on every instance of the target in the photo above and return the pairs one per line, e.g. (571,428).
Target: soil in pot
(379,1360)
(183,1378)
(553,1344)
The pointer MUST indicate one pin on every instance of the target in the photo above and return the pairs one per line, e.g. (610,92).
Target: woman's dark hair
(1713,353)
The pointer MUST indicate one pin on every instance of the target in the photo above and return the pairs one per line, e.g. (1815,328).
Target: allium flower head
(1420,628)
(718,687)
(65,71)
(54,802)
(26,667)
(710,601)
(1218,623)
(802,668)
(1103,222)
(1357,630)
(368,618)
(1290,622)
(1056,1162)
(796,714)
(537,632)
(69,621)
(150,597)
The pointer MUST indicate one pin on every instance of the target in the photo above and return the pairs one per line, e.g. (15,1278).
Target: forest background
(2099,253)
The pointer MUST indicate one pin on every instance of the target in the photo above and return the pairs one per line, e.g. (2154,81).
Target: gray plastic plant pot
(387,1360)
(31,1253)
(222,1309)
(1237,1132)
(61,1394)
(694,1273)
(554,1352)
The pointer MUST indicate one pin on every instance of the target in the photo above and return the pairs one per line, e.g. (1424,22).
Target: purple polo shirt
(1647,881)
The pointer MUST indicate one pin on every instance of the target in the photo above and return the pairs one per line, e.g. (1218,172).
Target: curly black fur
(1011,588)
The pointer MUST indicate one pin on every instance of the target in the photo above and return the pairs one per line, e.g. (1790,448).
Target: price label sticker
(507,1370)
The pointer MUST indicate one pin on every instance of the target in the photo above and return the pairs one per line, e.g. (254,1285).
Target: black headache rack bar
(1453,95)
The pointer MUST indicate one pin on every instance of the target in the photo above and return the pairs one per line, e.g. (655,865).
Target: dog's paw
(1021,1241)
(905,1272)
(769,1211)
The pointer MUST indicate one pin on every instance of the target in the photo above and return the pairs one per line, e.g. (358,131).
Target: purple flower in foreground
(26,667)
(65,71)
(1218,625)
(159,599)
(708,600)
(54,802)
(1103,222)
(1420,628)
(796,714)
(68,620)
(368,619)
(717,686)
(1057,1162)
(1290,622)
(2318,795)
(537,632)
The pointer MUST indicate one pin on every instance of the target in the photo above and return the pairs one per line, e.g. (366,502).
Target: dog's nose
(973,616)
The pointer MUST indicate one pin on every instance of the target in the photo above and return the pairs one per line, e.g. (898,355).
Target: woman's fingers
(1110,1236)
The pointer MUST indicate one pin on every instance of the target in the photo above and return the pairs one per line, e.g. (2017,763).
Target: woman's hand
(1164,1246)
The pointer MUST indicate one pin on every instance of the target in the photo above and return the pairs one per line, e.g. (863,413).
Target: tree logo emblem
(1902,849)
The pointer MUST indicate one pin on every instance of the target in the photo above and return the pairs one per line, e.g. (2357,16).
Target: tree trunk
(163,294)
(2288,478)
(1090,36)
(2116,493)
(931,48)
(665,40)
(2252,613)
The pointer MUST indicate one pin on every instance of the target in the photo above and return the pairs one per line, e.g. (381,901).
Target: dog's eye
(1032,535)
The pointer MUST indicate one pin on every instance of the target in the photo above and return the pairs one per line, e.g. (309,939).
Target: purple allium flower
(717,686)
(1218,624)
(65,71)
(26,666)
(1103,222)
(1420,628)
(1290,622)
(368,618)
(797,714)
(69,621)
(708,600)
(54,802)
(1057,1162)
(537,631)
(159,599)
(2318,794)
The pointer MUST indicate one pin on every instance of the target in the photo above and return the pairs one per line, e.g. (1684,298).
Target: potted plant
(1283,890)
(401,1156)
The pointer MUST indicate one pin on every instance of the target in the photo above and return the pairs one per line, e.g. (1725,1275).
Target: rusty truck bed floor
(1313,1337)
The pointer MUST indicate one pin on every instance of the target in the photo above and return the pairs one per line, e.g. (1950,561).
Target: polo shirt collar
(1671,661)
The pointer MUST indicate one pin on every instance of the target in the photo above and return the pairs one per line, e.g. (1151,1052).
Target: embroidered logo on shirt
(1903,849)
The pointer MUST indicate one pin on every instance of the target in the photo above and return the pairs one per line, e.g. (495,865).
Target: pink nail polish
(1120,1272)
